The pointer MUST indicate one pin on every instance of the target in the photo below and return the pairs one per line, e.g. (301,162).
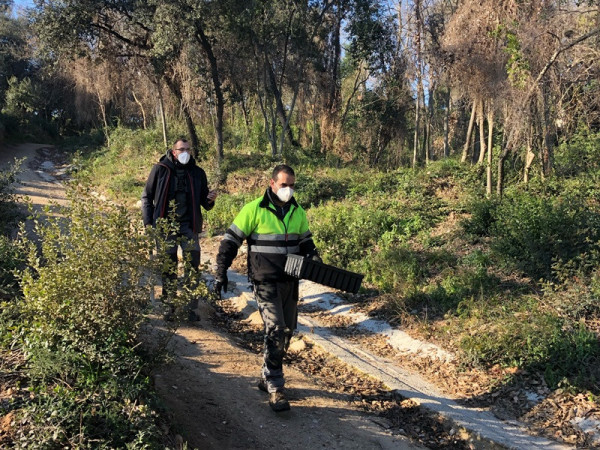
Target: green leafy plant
(85,292)
(533,231)
(483,216)
(11,259)
(218,219)
(537,341)
(9,212)
(315,190)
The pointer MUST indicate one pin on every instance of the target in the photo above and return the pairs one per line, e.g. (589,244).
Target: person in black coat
(177,180)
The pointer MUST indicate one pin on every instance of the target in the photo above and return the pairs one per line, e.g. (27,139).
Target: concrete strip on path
(326,299)
(481,424)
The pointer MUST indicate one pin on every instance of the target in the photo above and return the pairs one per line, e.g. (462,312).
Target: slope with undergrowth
(509,285)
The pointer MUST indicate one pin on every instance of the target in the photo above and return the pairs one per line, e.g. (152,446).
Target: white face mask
(184,158)
(285,194)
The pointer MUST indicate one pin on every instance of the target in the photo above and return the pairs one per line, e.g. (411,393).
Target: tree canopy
(385,83)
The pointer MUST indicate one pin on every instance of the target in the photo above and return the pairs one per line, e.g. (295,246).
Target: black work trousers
(278,306)
(188,240)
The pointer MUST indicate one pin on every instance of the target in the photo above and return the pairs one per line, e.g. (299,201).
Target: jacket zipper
(166,193)
(193,204)
(286,226)
(292,210)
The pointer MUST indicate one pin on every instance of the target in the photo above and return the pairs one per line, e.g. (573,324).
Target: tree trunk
(502,157)
(163,120)
(500,181)
(281,114)
(428,123)
(465,152)
(399,37)
(481,120)
(137,101)
(216,81)
(191,129)
(417,125)
(332,96)
(424,144)
(490,146)
(195,142)
(313,138)
(547,133)
(287,121)
(358,82)
(529,157)
(244,110)
(102,107)
(419,72)
(273,133)
(446,125)
(270,127)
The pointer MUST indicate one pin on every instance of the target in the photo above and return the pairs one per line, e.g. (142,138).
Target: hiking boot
(278,402)
(262,385)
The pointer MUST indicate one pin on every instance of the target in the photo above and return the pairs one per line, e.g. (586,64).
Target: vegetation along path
(345,392)
(209,387)
(363,376)
(449,151)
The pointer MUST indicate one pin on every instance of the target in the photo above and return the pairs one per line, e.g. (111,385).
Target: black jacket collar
(168,160)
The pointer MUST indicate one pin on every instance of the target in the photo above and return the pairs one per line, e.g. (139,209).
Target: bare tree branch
(557,53)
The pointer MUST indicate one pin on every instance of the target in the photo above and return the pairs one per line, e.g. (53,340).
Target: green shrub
(483,216)
(538,341)
(574,292)
(218,219)
(470,279)
(521,339)
(245,162)
(313,190)
(393,269)
(85,292)
(346,232)
(258,137)
(9,212)
(11,259)
(579,155)
(533,232)
(368,231)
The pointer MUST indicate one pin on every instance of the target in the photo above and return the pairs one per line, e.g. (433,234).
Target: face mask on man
(285,194)
(184,158)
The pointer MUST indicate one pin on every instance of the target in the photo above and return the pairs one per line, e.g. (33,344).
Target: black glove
(221,285)
(316,258)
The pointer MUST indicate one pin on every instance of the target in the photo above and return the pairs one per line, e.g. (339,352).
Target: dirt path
(41,172)
(209,388)
(211,392)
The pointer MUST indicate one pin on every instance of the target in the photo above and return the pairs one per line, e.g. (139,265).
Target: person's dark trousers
(190,245)
(278,306)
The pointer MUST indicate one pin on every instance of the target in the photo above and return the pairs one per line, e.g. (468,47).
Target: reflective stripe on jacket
(269,238)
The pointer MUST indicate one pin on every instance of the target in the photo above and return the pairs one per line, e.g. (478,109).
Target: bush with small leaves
(85,293)
(9,213)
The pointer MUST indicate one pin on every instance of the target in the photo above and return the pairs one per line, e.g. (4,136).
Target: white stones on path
(481,424)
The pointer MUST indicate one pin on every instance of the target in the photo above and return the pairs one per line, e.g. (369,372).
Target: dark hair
(282,168)
(179,139)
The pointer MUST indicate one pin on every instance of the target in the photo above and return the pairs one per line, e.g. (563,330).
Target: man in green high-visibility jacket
(274,226)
